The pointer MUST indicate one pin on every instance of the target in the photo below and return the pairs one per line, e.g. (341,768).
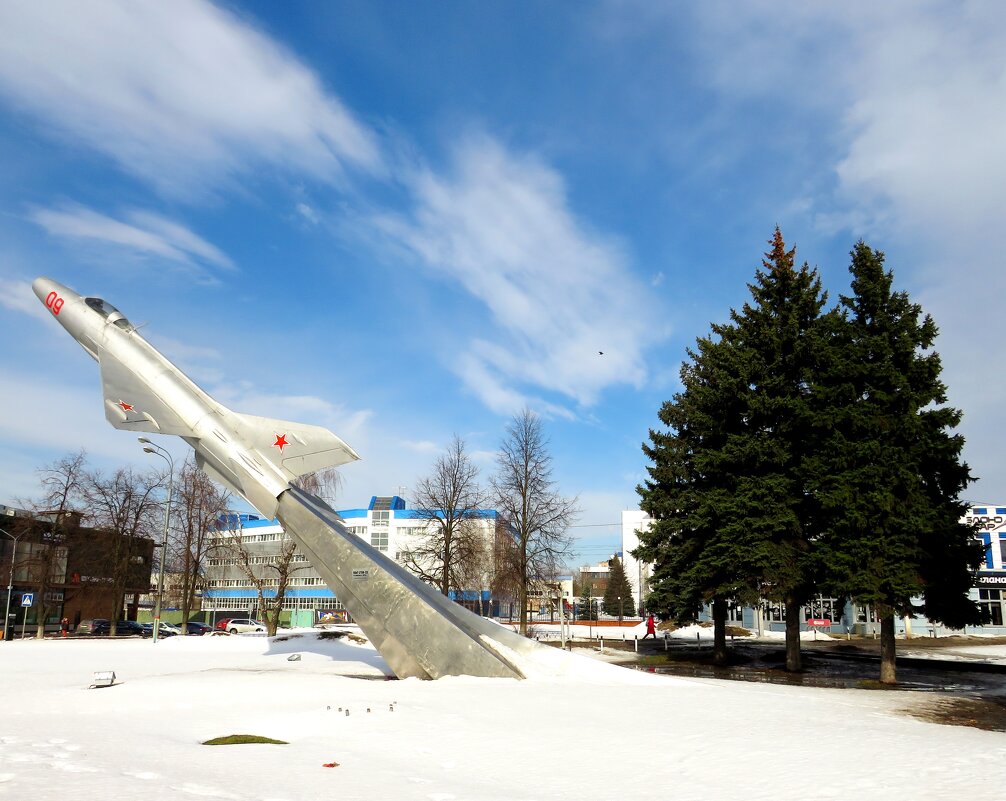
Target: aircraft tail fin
(296,448)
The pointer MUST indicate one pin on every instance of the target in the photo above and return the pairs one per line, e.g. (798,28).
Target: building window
(379,539)
(822,608)
(381,518)
(991,603)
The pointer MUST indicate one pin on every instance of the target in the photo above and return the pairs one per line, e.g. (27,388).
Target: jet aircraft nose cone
(49,291)
(42,286)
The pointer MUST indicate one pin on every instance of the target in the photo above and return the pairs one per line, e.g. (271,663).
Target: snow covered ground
(597,732)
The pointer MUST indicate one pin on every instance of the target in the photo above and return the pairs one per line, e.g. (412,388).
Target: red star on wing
(280,442)
(126,407)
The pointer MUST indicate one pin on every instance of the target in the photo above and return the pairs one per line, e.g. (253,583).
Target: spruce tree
(728,487)
(890,479)
(618,600)
(584,603)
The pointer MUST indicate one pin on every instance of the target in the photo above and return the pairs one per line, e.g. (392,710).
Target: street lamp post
(157,450)
(10,581)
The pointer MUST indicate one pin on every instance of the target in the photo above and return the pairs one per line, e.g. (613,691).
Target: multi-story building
(594,578)
(56,568)
(638,573)
(385,523)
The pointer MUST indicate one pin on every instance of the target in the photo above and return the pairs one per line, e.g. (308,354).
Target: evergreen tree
(584,603)
(891,476)
(618,599)
(733,517)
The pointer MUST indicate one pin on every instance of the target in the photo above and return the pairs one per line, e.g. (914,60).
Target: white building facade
(638,573)
(385,523)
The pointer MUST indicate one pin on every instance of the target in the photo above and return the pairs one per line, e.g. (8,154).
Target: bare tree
(265,571)
(539,516)
(324,483)
(44,562)
(198,506)
(126,505)
(450,502)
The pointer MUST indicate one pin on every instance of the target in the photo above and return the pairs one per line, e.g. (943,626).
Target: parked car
(123,628)
(222,623)
(165,630)
(197,628)
(241,625)
(88,626)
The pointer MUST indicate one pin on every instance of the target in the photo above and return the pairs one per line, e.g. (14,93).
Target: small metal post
(635,642)
(602,644)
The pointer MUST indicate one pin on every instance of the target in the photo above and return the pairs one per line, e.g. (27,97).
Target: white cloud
(60,416)
(146,234)
(309,214)
(17,295)
(182,94)
(421,446)
(500,226)
(912,97)
(246,398)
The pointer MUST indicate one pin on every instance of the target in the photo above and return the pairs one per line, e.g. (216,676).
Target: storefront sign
(991,579)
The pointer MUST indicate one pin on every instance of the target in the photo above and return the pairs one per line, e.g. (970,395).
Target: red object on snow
(330,765)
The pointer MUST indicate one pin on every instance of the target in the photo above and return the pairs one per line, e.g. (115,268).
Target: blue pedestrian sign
(27,599)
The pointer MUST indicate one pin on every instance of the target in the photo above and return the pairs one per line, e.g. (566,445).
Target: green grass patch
(653,660)
(241,739)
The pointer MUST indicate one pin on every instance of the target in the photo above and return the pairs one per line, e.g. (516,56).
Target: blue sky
(407,220)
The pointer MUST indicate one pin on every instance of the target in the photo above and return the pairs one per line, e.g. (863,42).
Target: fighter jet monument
(417,630)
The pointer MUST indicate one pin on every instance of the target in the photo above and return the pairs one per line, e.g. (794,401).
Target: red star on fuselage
(126,407)
(280,442)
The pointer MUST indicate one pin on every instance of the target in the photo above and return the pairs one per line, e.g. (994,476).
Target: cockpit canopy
(109,312)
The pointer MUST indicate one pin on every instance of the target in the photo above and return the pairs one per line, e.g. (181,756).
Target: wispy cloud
(145,234)
(307,213)
(421,446)
(17,295)
(912,99)
(499,224)
(244,397)
(182,94)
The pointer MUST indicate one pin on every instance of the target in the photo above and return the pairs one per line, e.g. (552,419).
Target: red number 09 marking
(54,302)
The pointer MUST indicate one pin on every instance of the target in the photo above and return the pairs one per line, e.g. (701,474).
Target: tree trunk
(522,604)
(794,663)
(43,613)
(888,671)
(720,653)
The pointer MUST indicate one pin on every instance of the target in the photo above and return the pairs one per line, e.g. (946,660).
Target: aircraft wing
(130,405)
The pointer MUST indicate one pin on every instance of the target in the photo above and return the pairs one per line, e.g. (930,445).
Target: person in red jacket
(651,628)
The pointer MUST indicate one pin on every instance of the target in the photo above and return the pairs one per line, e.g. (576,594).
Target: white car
(241,625)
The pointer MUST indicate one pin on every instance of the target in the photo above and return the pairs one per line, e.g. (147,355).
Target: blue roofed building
(248,542)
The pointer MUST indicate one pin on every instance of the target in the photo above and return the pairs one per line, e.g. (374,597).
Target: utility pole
(10,582)
(157,450)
